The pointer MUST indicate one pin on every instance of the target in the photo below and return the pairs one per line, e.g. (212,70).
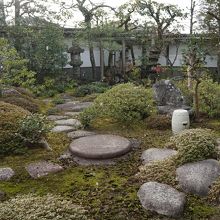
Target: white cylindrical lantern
(180,120)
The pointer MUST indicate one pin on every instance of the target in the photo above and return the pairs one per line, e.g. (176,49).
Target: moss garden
(108,191)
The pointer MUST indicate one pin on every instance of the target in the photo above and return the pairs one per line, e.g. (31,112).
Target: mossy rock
(10,115)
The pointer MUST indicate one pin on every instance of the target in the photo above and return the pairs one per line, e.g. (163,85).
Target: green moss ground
(108,192)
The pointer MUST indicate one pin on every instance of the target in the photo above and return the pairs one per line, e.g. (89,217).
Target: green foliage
(209,98)
(160,122)
(10,115)
(15,70)
(194,145)
(159,171)
(45,50)
(58,100)
(32,128)
(95,87)
(34,207)
(124,103)
(214,192)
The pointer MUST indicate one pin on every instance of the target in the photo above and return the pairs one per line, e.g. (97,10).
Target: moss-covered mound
(35,207)
(124,103)
(10,115)
(194,145)
(159,122)
(20,97)
(25,103)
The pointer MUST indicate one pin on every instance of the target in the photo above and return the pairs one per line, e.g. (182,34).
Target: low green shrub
(36,207)
(32,128)
(10,116)
(194,145)
(124,103)
(159,122)
(95,87)
(159,171)
(58,100)
(209,98)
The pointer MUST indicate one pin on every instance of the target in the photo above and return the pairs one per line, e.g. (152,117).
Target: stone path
(42,168)
(6,173)
(156,154)
(100,147)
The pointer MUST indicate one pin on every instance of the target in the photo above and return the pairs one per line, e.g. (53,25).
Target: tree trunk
(196,99)
(189,77)
(110,59)
(218,68)
(132,55)
(92,60)
(2,14)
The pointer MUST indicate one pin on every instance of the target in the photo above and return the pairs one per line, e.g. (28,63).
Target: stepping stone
(197,177)
(60,128)
(79,134)
(162,199)
(100,146)
(69,122)
(57,117)
(72,114)
(42,168)
(6,173)
(74,106)
(156,154)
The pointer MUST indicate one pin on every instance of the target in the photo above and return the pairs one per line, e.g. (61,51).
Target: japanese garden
(109,110)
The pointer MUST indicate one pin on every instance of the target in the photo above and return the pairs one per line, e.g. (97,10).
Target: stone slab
(57,117)
(100,146)
(197,177)
(156,154)
(74,106)
(69,122)
(79,134)
(6,173)
(42,168)
(72,114)
(162,199)
(61,128)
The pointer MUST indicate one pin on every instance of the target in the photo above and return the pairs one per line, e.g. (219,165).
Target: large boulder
(168,97)
(6,173)
(156,154)
(162,199)
(197,177)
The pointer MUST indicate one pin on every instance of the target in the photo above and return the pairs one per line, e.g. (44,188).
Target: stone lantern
(76,61)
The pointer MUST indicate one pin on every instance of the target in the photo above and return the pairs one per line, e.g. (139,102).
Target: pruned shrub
(124,103)
(10,116)
(159,122)
(95,87)
(194,145)
(36,207)
(33,128)
(159,171)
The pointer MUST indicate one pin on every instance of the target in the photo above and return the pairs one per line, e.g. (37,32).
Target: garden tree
(210,13)
(15,71)
(164,17)
(124,14)
(45,50)
(2,14)
(192,14)
(194,58)
(88,10)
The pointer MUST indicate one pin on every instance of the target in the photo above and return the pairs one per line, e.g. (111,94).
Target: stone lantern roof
(75,49)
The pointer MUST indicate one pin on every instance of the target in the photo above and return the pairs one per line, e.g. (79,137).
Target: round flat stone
(100,146)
